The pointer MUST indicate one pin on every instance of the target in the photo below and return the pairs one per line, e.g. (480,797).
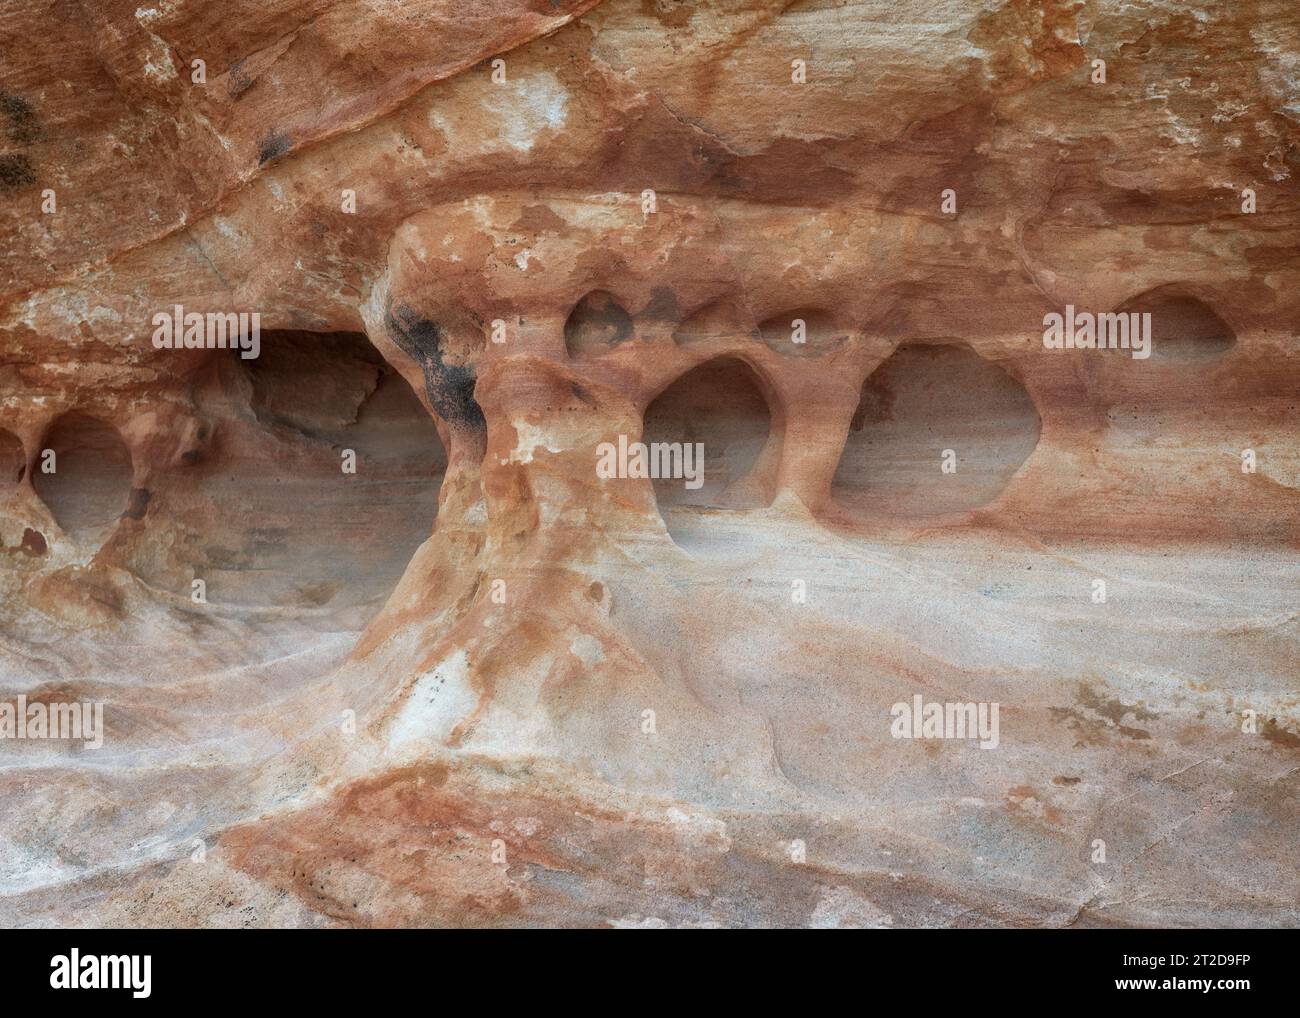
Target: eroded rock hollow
(646,463)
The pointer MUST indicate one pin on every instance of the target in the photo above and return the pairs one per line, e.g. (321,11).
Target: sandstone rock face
(387,628)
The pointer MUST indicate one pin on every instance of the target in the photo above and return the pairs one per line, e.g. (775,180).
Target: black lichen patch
(450,387)
(24,127)
(274,145)
(16,172)
(137,504)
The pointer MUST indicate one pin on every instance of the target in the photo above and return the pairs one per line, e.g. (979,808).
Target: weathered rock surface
(476,682)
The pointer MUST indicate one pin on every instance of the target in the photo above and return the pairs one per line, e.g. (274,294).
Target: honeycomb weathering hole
(721,406)
(90,483)
(919,403)
(803,332)
(596,323)
(1183,328)
(717,320)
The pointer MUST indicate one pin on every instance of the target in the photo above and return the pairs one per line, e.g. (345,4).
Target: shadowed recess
(721,406)
(322,483)
(920,402)
(717,320)
(596,323)
(803,332)
(91,482)
(1183,328)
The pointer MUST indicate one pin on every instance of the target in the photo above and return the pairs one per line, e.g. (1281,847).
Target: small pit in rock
(1183,328)
(597,323)
(803,332)
(717,320)
(90,482)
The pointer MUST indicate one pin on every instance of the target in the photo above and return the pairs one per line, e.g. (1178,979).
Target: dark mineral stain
(24,127)
(274,145)
(1279,736)
(237,80)
(450,387)
(137,504)
(581,393)
(34,542)
(1112,708)
(537,219)
(1101,717)
(663,305)
(15,172)
(672,14)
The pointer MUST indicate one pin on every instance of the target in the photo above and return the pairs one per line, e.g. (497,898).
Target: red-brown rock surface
(474,681)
